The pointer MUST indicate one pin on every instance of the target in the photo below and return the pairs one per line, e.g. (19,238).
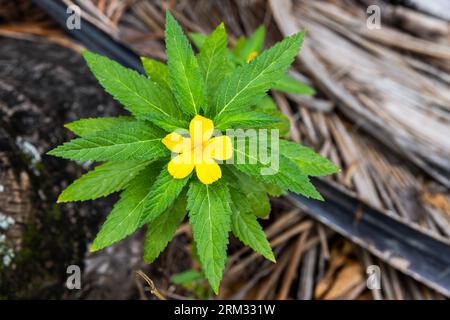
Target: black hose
(91,37)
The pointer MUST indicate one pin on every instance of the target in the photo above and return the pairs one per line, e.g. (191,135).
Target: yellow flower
(251,56)
(198,151)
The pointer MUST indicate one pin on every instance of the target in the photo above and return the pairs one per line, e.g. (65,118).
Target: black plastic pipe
(90,36)
(422,256)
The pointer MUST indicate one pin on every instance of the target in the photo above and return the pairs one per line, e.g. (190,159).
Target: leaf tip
(215,288)
(87,54)
(319,197)
(261,29)
(60,199)
(97,245)
(169,16)
(53,152)
(148,260)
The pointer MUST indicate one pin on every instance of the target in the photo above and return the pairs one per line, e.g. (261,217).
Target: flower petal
(181,166)
(219,148)
(177,143)
(252,55)
(208,172)
(200,129)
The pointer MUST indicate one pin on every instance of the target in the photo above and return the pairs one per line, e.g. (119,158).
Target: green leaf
(273,190)
(83,127)
(131,141)
(103,180)
(254,43)
(288,177)
(239,200)
(256,199)
(288,84)
(238,47)
(283,124)
(125,217)
(248,192)
(242,120)
(213,60)
(267,105)
(260,203)
(249,83)
(285,174)
(169,124)
(156,71)
(137,93)
(186,277)
(309,162)
(198,39)
(162,194)
(209,216)
(184,73)
(245,226)
(162,229)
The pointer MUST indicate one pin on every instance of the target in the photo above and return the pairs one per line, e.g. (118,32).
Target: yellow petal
(181,166)
(198,154)
(219,148)
(252,55)
(208,172)
(200,129)
(177,143)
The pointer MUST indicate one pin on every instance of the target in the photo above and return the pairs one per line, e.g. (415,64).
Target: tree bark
(42,87)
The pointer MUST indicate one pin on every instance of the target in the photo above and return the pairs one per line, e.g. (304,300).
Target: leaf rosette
(167,162)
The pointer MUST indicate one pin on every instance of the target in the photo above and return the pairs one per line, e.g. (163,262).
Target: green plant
(194,281)
(245,50)
(196,93)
